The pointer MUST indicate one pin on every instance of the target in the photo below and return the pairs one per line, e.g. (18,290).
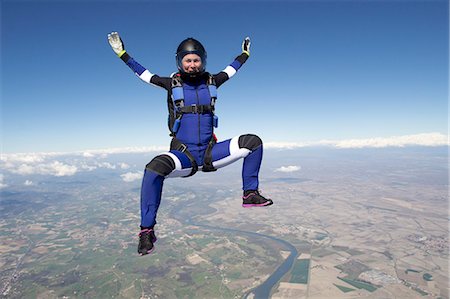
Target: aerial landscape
(343,102)
(346,223)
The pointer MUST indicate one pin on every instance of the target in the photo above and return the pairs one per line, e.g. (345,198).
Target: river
(264,290)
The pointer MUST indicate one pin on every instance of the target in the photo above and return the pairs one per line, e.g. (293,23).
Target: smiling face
(192,63)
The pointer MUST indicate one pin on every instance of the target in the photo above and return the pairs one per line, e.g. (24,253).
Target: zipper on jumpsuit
(198,116)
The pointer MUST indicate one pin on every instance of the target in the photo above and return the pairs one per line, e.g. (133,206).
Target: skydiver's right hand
(116,43)
(246,46)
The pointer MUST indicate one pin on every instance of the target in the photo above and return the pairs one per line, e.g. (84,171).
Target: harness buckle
(182,148)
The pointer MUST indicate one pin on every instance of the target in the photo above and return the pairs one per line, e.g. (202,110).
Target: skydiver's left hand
(246,46)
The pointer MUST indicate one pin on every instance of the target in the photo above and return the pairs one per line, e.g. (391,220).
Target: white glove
(116,43)
(246,46)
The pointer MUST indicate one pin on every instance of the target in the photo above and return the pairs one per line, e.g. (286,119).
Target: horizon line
(433,139)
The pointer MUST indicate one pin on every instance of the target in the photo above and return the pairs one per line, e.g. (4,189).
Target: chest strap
(197,109)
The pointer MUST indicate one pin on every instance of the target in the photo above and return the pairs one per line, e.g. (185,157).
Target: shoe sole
(249,205)
(148,252)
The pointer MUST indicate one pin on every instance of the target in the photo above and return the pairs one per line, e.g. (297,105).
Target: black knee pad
(249,141)
(162,165)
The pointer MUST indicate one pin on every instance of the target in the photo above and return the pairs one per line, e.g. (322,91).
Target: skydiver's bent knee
(162,165)
(249,141)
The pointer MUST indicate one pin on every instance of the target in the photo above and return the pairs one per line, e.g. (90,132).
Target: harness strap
(197,109)
(207,160)
(177,145)
(176,103)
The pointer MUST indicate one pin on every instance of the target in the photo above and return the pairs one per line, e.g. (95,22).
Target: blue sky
(318,70)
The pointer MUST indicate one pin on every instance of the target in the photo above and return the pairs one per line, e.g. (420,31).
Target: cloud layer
(425,139)
(68,164)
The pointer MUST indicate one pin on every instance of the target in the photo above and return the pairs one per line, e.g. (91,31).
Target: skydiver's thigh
(183,165)
(227,152)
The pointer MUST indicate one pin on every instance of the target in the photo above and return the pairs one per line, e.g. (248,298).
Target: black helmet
(190,46)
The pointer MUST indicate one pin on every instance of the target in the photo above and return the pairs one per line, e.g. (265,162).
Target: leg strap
(207,160)
(181,147)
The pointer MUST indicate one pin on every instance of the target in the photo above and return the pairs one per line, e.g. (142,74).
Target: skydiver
(192,93)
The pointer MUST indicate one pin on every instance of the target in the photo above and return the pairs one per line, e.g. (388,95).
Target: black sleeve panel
(242,58)
(125,57)
(220,78)
(164,82)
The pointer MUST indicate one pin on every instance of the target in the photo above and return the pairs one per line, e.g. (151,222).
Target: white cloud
(28,183)
(124,150)
(106,165)
(290,168)
(285,145)
(85,166)
(49,164)
(57,168)
(102,153)
(131,176)
(425,139)
(68,163)
(24,169)
(25,157)
(87,155)
(52,164)
(124,166)
(54,168)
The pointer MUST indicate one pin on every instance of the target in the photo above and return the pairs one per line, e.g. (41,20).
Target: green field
(300,271)
(343,289)
(359,284)
(353,269)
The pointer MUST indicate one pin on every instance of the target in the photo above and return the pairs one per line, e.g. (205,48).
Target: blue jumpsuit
(195,131)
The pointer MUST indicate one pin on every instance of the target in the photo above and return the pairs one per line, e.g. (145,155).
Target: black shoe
(146,239)
(252,198)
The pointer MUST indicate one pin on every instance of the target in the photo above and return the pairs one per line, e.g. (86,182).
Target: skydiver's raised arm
(231,69)
(145,75)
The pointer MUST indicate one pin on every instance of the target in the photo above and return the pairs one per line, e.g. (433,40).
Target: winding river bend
(264,290)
